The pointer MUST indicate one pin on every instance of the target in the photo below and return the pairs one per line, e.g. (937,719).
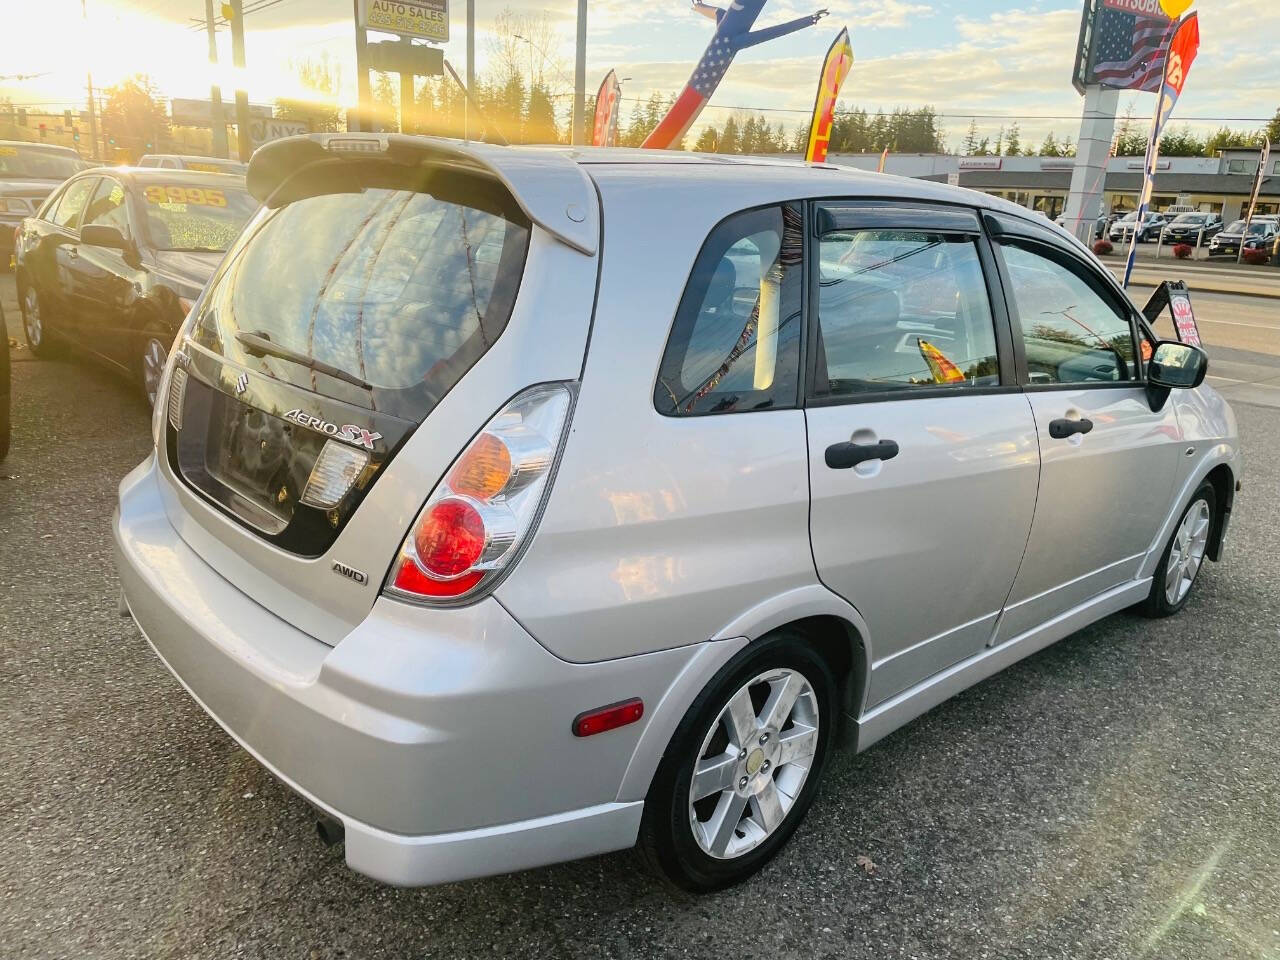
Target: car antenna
(490,128)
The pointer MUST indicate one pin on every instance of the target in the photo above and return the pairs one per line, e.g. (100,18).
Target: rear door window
(901,310)
(402,281)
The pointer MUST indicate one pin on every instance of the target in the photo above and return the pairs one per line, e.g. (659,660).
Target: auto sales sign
(428,19)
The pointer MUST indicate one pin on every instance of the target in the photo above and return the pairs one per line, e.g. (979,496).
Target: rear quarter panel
(660,531)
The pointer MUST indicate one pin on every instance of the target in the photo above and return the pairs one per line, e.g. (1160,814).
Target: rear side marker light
(608,718)
(336,471)
(177,394)
(475,522)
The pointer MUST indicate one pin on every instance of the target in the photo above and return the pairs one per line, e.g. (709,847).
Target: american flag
(1130,49)
(706,77)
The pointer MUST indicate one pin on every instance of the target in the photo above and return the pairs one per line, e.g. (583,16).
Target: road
(1114,796)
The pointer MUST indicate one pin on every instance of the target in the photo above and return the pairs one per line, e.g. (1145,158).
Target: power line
(199,24)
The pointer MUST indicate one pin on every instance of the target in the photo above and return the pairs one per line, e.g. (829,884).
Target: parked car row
(29,172)
(1261,234)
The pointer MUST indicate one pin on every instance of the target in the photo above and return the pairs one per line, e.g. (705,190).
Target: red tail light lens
(473,525)
(449,539)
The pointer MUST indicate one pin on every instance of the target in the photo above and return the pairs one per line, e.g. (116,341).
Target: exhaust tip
(330,830)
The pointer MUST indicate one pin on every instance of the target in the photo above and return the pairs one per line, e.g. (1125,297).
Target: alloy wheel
(1186,554)
(753,763)
(31,323)
(153,361)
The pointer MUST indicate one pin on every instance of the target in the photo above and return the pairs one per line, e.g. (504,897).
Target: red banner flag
(604,132)
(835,69)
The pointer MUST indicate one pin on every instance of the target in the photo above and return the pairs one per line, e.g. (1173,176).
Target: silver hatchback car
(517,505)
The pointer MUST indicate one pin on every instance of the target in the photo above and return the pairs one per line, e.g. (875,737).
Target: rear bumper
(439,738)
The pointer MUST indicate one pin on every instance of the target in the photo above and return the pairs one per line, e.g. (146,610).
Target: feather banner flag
(884,158)
(604,132)
(733,34)
(835,70)
(1180,54)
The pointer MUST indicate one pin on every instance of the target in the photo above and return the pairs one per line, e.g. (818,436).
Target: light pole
(93,110)
(517,36)
(579,76)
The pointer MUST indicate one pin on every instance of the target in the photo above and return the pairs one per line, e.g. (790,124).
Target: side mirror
(102,235)
(1174,366)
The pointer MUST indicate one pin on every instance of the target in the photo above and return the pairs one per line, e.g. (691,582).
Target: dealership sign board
(199,113)
(981,163)
(428,19)
(264,131)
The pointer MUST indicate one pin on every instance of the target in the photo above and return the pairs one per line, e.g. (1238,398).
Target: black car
(1186,227)
(29,172)
(1261,236)
(114,260)
(1122,229)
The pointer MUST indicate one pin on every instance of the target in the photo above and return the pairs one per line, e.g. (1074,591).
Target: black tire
(667,844)
(1158,603)
(38,337)
(4,388)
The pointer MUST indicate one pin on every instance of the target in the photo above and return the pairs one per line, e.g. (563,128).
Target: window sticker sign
(428,19)
(196,196)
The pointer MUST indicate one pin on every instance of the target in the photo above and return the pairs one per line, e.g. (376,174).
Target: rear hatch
(351,309)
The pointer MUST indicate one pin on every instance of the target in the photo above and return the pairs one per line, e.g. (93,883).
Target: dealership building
(1219,184)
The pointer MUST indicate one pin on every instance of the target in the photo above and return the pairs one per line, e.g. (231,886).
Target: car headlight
(15,205)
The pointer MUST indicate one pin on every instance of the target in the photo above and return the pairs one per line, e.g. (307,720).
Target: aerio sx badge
(350,432)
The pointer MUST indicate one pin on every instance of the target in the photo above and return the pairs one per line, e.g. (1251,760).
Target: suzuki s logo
(350,432)
(242,383)
(351,573)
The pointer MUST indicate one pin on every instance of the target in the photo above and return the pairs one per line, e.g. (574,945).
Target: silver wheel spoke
(798,745)
(766,808)
(720,829)
(714,775)
(740,795)
(740,718)
(782,697)
(1173,576)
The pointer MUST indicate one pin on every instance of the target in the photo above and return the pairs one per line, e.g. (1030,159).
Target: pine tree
(1050,147)
(1013,140)
(707,140)
(730,139)
(970,140)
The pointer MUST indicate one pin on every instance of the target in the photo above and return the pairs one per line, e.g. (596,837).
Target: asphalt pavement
(1113,796)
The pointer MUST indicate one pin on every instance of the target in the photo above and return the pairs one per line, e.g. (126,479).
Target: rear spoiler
(551,189)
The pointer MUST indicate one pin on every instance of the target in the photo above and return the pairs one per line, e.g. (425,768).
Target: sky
(997,60)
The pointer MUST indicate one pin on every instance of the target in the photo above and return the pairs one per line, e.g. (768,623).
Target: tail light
(479,517)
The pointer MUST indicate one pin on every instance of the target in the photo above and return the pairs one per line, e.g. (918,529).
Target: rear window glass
(400,283)
(195,215)
(32,163)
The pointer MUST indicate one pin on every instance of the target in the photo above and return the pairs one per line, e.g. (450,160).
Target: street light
(530,43)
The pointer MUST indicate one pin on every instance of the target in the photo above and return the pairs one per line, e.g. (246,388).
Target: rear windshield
(195,215)
(401,282)
(22,163)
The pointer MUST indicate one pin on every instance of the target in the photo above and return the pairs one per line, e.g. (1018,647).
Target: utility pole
(215,94)
(579,77)
(406,92)
(363,92)
(93,110)
(471,68)
(245,144)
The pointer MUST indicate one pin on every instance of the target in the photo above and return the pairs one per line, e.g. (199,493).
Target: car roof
(146,175)
(46,147)
(553,183)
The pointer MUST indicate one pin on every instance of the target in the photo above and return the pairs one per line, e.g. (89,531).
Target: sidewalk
(1207,276)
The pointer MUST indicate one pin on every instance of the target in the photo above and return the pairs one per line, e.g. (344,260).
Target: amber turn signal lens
(484,469)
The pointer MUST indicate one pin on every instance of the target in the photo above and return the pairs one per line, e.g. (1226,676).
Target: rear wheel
(34,326)
(742,767)
(151,367)
(1184,555)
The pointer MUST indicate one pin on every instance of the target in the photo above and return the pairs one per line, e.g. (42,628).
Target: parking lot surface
(1114,796)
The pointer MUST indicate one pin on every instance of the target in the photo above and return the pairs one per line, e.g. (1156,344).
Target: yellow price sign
(196,196)
(8,151)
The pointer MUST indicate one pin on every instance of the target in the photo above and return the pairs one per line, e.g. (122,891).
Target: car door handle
(1061,429)
(842,456)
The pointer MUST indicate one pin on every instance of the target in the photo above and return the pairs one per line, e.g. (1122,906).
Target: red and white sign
(1184,319)
(981,163)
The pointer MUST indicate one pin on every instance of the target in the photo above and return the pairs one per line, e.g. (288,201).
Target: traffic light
(66,118)
(111,141)
(75,134)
